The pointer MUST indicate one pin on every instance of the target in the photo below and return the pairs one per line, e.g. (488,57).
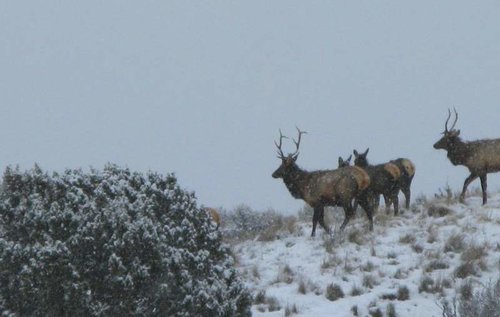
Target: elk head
(287,161)
(344,163)
(360,159)
(450,136)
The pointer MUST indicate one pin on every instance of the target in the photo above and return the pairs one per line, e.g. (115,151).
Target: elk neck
(458,152)
(296,180)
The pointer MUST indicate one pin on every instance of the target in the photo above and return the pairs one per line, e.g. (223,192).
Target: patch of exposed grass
(408,238)
(334,292)
(356,290)
(369,281)
(455,243)
(438,211)
(437,264)
(291,310)
(466,269)
(403,293)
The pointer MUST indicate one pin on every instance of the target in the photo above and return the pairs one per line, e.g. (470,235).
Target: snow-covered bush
(111,243)
(244,223)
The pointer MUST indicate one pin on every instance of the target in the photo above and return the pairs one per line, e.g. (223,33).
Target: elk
(344,163)
(323,188)
(481,157)
(214,214)
(384,180)
(407,169)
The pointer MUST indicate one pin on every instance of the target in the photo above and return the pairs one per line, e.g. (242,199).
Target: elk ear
(349,158)
(366,152)
(356,154)
(341,161)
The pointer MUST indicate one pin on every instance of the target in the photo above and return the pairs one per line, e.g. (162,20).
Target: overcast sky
(200,88)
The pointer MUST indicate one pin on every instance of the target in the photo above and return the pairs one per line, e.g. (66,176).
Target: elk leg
(468,180)
(367,205)
(406,191)
(322,220)
(349,211)
(315,221)
(395,202)
(483,187)
(316,217)
(388,202)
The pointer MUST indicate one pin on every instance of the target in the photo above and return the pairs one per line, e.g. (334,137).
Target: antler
(297,143)
(448,119)
(280,151)
(456,119)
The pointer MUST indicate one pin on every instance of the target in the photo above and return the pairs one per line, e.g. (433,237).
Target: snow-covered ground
(431,256)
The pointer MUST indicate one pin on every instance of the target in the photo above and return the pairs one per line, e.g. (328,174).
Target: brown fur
(214,214)
(361,177)
(393,170)
(408,166)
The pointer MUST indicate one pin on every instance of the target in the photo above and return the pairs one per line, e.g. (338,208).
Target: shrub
(244,223)
(484,303)
(356,290)
(403,293)
(111,243)
(455,243)
(466,269)
(438,211)
(369,281)
(408,238)
(291,310)
(391,310)
(334,292)
(436,265)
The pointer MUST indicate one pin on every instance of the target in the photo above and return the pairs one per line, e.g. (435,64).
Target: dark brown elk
(481,157)
(344,163)
(384,180)
(407,169)
(323,188)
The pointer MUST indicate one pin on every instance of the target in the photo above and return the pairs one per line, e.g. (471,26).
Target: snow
(398,253)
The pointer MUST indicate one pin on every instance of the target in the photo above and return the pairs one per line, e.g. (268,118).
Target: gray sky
(200,88)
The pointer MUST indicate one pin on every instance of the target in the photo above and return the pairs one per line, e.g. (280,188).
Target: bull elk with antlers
(320,189)
(481,157)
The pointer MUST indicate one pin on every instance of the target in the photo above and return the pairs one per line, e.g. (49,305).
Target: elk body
(384,180)
(481,157)
(320,189)
(407,169)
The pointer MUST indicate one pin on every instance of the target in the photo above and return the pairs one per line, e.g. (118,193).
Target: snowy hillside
(439,250)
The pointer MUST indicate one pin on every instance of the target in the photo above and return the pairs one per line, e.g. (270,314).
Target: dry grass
(403,293)
(356,290)
(466,269)
(334,292)
(437,210)
(408,238)
(437,264)
(369,281)
(455,243)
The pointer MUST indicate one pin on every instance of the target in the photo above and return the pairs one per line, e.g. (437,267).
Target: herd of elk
(480,157)
(323,188)
(363,183)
